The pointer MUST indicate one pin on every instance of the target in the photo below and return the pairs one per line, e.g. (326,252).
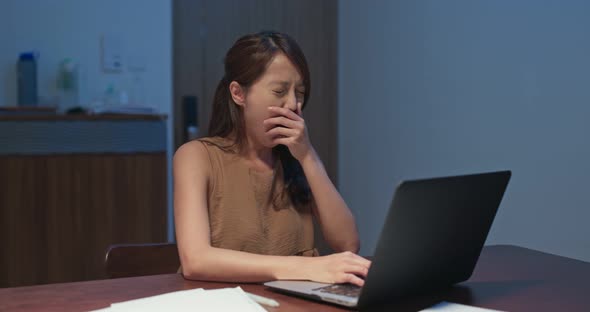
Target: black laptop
(432,237)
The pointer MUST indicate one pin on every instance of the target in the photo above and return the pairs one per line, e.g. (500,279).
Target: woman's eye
(279,91)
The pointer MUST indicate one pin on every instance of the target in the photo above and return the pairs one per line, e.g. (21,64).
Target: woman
(244,197)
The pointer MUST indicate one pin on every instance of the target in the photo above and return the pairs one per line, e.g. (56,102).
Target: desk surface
(506,278)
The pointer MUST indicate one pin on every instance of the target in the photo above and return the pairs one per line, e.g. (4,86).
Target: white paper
(456,307)
(175,301)
(227,299)
(224,299)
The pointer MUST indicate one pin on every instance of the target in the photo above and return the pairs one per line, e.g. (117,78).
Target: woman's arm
(336,220)
(203,262)
(334,216)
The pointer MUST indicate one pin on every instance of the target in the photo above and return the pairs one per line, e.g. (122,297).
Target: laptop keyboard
(348,290)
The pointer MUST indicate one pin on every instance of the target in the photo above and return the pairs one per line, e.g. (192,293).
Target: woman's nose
(291,102)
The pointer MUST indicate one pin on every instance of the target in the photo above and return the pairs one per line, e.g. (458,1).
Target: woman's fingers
(356,270)
(281,132)
(297,141)
(344,267)
(283,141)
(354,258)
(353,279)
(285,112)
(362,262)
(281,121)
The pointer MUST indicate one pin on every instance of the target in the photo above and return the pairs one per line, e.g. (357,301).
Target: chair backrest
(127,260)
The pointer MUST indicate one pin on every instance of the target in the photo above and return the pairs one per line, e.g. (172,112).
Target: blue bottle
(27,79)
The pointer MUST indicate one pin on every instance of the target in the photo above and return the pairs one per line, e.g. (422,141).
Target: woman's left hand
(288,128)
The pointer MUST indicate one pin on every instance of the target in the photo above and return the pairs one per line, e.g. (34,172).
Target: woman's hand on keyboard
(344,267)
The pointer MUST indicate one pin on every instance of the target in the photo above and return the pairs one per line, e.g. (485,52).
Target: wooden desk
(506,278)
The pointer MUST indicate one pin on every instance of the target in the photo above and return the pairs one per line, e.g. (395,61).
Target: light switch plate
(112,53)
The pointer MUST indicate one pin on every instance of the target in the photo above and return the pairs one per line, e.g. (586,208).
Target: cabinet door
(60,213)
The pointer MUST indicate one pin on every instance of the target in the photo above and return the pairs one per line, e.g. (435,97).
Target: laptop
(431,239)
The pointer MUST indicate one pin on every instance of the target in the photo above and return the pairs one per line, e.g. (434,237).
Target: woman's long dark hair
(244,63)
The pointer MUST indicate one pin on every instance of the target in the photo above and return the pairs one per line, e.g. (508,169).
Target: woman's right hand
(344,267)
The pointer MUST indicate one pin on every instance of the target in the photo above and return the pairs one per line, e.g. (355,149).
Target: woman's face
(280,85)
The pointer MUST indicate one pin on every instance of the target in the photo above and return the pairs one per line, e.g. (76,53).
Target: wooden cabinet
(60,211)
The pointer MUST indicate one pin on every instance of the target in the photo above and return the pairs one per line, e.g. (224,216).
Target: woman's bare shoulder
(191,155)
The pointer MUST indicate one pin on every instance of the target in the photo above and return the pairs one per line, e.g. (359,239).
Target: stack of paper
(224,299)
(455,307)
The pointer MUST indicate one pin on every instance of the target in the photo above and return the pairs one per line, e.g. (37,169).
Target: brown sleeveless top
(247,214)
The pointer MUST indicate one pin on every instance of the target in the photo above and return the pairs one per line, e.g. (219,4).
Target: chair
(127,260)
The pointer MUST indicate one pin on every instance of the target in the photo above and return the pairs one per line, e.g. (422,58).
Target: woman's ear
(238,93)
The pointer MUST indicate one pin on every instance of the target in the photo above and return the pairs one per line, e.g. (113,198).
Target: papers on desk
(455,307)
(224,299)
